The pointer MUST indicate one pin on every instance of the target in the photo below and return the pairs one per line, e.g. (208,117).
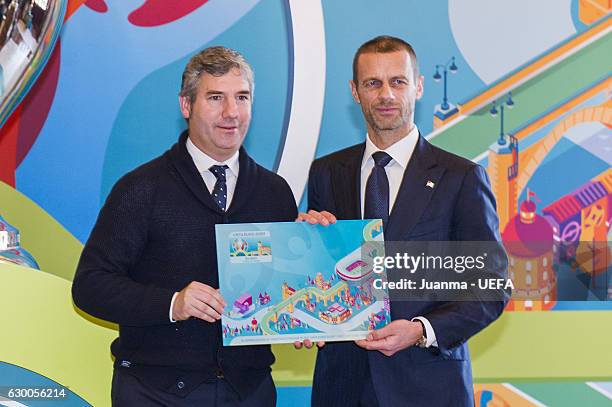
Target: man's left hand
(313,217)
(394,337)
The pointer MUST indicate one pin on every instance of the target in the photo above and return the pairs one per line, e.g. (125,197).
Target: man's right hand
(200,301)
(308,344)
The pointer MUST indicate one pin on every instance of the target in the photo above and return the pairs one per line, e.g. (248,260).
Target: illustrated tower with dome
(528,239)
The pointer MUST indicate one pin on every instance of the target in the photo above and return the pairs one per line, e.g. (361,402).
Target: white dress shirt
(400,152)
(203,162)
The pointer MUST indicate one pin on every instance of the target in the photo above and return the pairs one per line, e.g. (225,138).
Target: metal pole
(445,100)
(501,125)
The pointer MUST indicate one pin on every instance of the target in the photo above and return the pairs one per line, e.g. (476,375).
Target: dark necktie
(219,192)
(376,204)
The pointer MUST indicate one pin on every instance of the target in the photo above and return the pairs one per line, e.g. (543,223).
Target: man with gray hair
(150,262)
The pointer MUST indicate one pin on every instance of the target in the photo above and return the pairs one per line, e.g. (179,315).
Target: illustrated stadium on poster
(292,281)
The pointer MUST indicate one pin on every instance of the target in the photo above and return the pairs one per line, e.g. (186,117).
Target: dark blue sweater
(154,235)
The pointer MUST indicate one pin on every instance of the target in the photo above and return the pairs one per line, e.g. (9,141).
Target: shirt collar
(401,151)
(203,161)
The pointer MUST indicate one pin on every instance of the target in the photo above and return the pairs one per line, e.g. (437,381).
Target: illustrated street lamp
(449,66)
(494,110)
(444,112)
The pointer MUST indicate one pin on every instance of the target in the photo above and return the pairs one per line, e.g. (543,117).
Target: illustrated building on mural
(335,314)
(581,222)
(243,303)
(529,242)
(320,283)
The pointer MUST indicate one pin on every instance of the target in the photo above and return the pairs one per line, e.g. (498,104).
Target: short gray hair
(216,61)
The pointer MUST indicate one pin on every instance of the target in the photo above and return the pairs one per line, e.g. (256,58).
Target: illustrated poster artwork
(285,282)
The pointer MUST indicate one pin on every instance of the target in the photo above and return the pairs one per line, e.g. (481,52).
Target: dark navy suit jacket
(460,207)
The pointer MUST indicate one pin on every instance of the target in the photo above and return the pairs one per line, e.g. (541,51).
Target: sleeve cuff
(429,332)
(172,306)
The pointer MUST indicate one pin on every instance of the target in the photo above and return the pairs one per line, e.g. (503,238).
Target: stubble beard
(388,125)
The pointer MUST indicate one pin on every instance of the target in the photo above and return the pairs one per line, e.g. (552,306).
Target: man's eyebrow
(373,78)
(219,92)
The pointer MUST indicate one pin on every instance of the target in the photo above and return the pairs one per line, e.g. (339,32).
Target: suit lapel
(346,185)
(246,183)
(420,180)
(187,171)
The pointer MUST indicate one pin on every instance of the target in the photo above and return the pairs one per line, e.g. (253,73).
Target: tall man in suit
(150,263)
(422,193)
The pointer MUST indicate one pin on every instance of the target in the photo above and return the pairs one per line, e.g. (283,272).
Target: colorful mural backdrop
(521,87)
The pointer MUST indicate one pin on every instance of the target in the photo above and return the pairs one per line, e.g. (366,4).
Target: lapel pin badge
(430,184)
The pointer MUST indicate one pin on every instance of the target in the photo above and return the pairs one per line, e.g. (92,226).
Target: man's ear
(185,105)
(354,91)
(419,87)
